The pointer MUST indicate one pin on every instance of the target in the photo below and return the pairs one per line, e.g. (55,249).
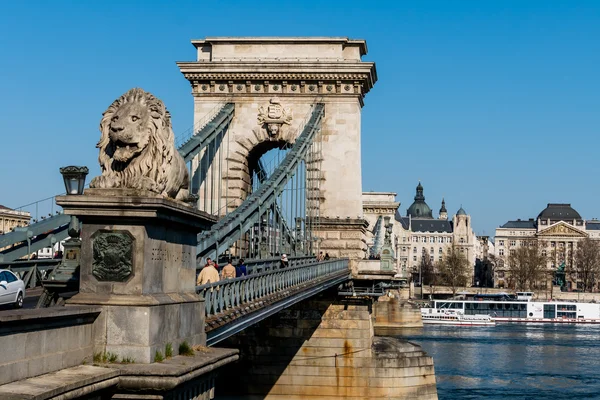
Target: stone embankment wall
(36,342)
(320,350)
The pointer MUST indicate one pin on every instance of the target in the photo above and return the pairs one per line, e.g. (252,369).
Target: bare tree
(526,265)
(428,276)
(587,263)
(454,269)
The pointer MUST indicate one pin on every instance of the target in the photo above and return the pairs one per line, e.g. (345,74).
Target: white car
(12,289)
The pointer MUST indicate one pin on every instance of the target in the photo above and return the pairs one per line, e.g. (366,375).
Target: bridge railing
(261,265)
(228,294)
(31,271)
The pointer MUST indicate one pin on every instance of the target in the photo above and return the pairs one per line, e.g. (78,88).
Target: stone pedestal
(138,263)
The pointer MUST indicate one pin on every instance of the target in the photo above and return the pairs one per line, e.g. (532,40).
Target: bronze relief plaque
(112,255)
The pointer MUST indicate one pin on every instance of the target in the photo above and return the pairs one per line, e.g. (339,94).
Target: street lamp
(74,178)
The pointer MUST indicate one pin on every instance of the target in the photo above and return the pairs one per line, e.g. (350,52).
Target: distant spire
(443,209)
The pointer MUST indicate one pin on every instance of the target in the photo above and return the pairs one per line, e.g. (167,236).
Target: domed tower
(443,211)
(419,209)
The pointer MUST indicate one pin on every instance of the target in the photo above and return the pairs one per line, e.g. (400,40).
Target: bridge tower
(272,83)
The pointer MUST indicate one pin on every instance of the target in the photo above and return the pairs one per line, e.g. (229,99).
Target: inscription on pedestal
(165,255)
(113,255)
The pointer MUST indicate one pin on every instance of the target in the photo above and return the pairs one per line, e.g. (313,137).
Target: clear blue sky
(493,104)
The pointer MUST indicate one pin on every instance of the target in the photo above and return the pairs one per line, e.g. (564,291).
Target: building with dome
(417,234)
(558,228)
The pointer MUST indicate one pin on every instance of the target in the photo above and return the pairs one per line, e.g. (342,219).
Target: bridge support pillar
(325,349)
(342,238)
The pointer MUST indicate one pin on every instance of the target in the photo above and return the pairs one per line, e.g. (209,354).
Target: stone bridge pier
(324,348)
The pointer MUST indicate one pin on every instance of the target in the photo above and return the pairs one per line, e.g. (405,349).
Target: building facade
(10,219)
(557,229)
(418,234)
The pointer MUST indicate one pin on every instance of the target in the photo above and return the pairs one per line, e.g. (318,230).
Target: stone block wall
(321,350)
(36,342)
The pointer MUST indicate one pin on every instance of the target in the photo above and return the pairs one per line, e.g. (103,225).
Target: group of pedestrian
(211,274)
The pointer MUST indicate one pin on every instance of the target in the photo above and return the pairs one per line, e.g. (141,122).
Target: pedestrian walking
(228,271)
(208,274)
(240,269)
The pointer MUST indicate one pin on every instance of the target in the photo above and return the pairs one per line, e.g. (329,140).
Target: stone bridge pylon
(272,84)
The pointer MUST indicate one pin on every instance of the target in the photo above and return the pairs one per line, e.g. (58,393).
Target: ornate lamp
(74,178)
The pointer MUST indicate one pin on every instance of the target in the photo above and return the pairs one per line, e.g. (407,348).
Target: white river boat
(503,308)
(452,317)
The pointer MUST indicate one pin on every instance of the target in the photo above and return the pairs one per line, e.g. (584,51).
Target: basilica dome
(419,209)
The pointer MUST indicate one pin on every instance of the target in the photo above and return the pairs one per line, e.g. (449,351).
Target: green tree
(587,263)
(454,269)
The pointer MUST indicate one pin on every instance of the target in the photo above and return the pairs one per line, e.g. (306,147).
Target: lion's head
(137,147)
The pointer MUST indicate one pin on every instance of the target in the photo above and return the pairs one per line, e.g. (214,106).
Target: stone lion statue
(137,148)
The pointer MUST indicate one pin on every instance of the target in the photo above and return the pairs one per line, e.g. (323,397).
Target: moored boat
(452,317)
(505,309)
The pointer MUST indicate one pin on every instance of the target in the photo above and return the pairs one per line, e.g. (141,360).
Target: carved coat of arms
(112,256)
(274,117)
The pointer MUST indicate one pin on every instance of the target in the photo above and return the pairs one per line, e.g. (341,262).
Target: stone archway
(251,72)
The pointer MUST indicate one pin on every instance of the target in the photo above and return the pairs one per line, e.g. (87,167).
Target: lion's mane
(158,168)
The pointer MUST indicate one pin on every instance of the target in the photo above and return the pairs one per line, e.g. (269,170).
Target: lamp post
(74,178)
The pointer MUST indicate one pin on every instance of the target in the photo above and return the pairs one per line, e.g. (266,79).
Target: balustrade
(229,294)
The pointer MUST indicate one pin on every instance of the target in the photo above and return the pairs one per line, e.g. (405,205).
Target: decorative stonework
(112,255)
(137,148)
(274,117)
(562,229)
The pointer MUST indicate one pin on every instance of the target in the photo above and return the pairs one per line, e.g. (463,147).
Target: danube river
(514,361)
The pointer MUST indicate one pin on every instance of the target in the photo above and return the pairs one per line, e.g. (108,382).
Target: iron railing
(228,294)
(268,264)
(31,271)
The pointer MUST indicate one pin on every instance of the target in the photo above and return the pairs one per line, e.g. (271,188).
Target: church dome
(559,212)
(419,209)
(461,211)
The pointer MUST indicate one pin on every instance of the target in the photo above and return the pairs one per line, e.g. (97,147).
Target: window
(10,277)
(449,240)
(513,243)
(424,239)
(462,250)
(403,248)
(500,252)
(431,258)
(501,243)
(543,253)
(404,239)
(414,249)
(414,258)
(552,244)
(512,252)
(544,222)
(523,243)
(432,240)
(462,240)
(415,239)
(440,250)
(431,250)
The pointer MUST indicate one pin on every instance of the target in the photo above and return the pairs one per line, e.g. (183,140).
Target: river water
(514,361)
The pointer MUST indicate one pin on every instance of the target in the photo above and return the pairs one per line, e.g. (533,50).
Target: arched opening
(263,159)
